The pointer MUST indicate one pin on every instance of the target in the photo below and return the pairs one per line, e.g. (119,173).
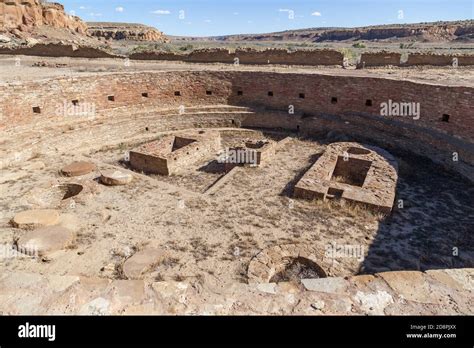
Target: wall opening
(36,110)
(111,98)
(334,100)
(368,102)
(145,94)
(177,93)
(75,102)
(240,93)
(208,92)
(302,96)
(352,171)
(270,94)
(445,118)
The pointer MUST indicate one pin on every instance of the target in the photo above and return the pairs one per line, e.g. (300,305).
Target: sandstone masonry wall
(379,59)
(321,103)
(249,56)
(58,50)
(438,59)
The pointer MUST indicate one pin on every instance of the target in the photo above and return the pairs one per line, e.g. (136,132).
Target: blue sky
(222,17)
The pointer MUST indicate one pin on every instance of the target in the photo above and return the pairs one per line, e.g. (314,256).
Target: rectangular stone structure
(251,153)
(174,154)
(352,172)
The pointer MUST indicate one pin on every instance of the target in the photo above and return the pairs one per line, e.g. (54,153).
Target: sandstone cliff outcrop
(126,31)
(432,32)
(23,15)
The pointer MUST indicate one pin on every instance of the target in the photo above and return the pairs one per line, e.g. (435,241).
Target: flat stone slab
(328,285)
(141,262)
(36,218)
(115,178)
(45,240)
(78,168)
(412,285)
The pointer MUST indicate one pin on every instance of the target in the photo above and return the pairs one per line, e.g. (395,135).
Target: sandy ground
(20,68)
(214,237)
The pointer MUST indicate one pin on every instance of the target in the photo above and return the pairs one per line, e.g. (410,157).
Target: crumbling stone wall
(438,59)
(379,59)
(157,56)
(58,50)
(214,55)
(249,56)
(280,56)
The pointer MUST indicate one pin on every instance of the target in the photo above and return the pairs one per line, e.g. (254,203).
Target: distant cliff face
(126,31)
(446,31)
(428,32)
(23,15)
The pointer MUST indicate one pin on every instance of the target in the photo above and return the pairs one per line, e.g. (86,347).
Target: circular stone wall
(288,262)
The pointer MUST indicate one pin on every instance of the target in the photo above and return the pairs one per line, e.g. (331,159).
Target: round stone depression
(288,263)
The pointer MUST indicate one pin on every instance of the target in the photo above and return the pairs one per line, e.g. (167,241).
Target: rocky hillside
(19,17)
(125,31)
(426,32)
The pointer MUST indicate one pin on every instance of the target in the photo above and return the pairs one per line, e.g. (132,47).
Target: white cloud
(161,12)
(317,14)
(207,21)
(236,13)
(285,10)
(92,14)
(119,9)
(82,8)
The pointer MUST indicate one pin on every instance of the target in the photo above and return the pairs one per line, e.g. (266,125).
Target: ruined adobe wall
(379,59)
(321,104)
(249,56)
(58,50)
(438,59)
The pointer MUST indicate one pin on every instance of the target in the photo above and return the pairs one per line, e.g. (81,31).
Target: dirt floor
(214,236)
(25,68)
